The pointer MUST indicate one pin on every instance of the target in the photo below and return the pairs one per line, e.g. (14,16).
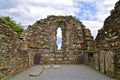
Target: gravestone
(102,61)
(109,63)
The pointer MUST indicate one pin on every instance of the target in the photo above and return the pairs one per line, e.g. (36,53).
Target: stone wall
(12,58)
(18,53)
(38,43)
(108,44)
(41,38)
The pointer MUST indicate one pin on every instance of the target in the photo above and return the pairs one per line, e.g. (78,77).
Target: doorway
(37,58)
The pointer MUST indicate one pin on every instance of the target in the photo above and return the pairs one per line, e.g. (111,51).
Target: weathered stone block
(102,61)
(1,75)
(46,55)
(52,59)
(109,63)
(59,59)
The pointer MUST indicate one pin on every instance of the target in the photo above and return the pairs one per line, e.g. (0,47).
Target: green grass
(17,28)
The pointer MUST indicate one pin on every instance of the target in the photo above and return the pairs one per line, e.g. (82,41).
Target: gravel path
(65,72)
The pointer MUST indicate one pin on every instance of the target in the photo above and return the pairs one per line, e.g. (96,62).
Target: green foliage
(13,25)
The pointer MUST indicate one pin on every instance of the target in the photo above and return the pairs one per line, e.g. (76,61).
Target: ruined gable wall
(41,38)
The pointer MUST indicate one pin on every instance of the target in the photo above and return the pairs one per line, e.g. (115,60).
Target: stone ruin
(37,45)
(106,55)
(12,57)
(108,44)
(41,39)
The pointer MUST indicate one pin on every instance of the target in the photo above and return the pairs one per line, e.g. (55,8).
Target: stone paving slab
(65,72)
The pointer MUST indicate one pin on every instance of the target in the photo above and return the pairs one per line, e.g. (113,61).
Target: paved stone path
(65,72)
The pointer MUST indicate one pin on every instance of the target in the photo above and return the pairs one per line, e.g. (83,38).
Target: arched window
(59,38)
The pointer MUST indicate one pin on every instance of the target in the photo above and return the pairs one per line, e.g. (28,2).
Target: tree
(13,25)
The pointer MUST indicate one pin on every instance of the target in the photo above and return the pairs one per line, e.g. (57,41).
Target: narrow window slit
(59,38)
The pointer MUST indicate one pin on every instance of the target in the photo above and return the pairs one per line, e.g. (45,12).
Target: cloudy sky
(91,12)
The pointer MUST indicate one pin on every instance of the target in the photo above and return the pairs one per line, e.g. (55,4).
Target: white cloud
(84,0)
(47,2)
(28,11)
(103,8)
(59,32)
(59,46)
(109,2)
(93,26)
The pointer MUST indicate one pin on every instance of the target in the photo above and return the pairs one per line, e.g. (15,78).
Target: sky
(59,38)
(91,12)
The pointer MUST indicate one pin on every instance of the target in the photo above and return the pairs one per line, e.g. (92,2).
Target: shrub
(13,25)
